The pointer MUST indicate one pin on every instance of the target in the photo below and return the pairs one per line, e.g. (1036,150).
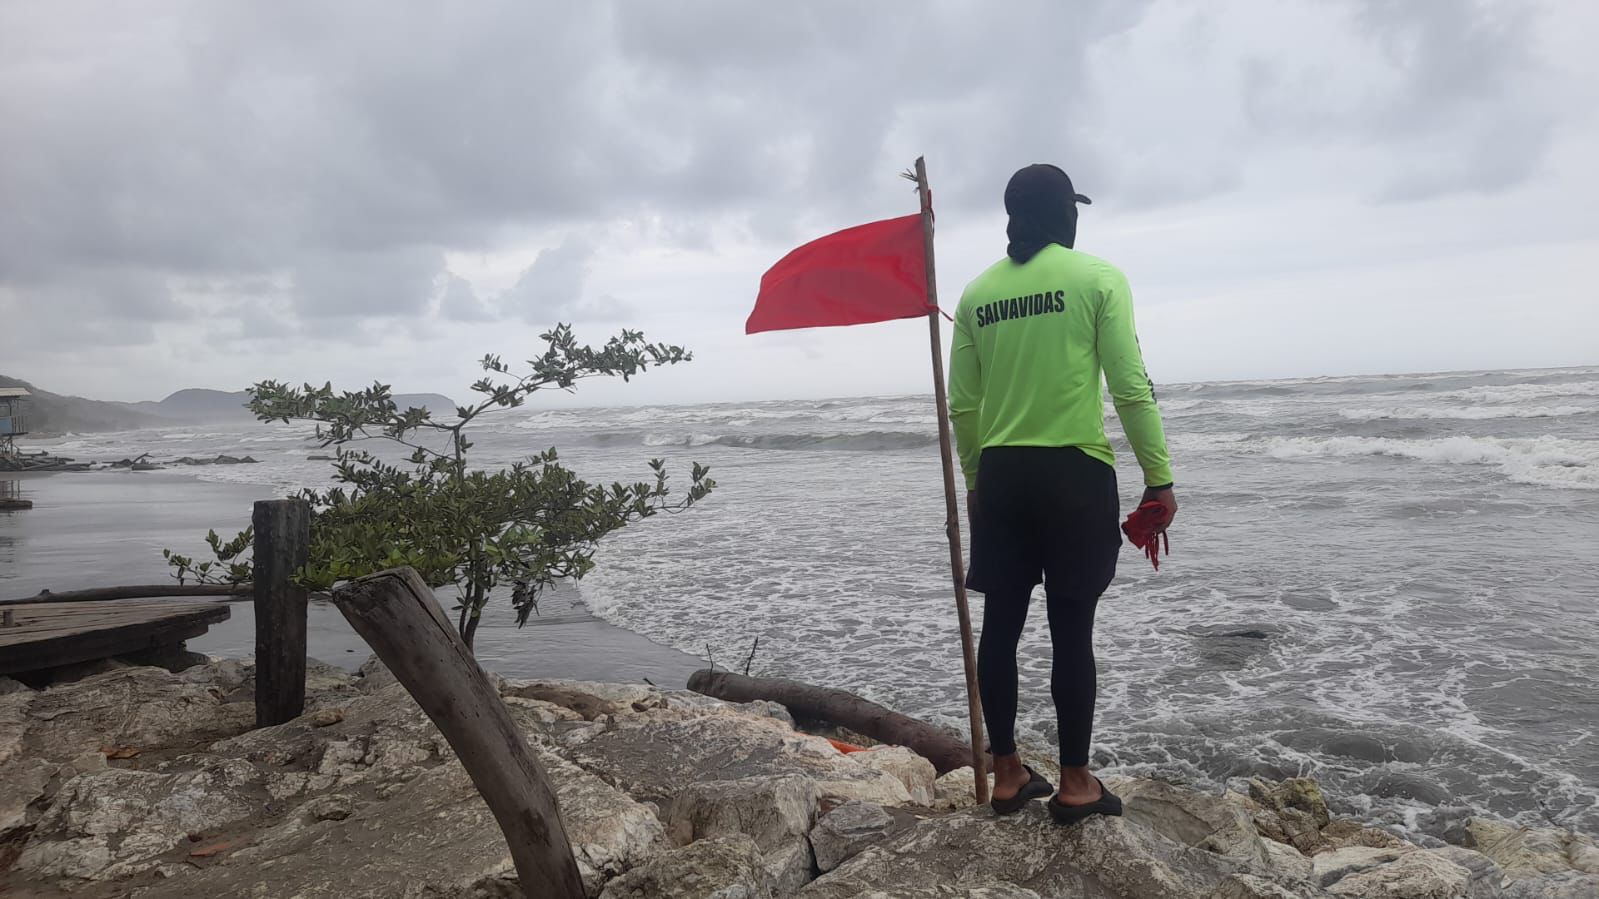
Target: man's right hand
(1168,503)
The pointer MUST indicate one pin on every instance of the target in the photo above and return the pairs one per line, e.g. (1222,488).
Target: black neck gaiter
(1042,210)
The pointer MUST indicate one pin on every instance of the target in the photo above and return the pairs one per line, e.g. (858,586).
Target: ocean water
(1384,582)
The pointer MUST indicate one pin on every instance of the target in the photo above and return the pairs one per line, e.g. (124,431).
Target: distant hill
(198,404)
(53,413)
(56,414)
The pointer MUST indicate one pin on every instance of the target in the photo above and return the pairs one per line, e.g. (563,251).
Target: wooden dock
(44,635)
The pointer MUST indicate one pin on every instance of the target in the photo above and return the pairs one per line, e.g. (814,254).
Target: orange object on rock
(846,748)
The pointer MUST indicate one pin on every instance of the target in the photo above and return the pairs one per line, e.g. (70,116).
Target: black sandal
(1035,788)
(1108,804)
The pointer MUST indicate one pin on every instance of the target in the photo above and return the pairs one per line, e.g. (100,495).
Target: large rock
(846,830)
(915,772)
(950,891)
(362,797)
(341,846)
(117,823)
(24,784)
(1583,853)
(343,795)
(1330,867)
(541,711)
(1487,877)
(434,832)
(955,790)
(719,868)
(1288,860)
(13,723)
(1252,886)
(1291,827)
(604,702)
(589,700)
(1215,823)
(1569,885)
(1344,834)
(652,757)
(1298,793)
(378,739)
(1530,851)
(1292,811)
(1382,873)
(1413,875)
(141,708)
(1102,858)
(775,812)
(608,830)
(699,703)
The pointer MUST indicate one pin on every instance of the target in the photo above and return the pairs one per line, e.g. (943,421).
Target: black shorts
(1044,512)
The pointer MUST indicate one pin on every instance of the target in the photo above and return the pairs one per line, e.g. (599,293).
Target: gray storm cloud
(312,164)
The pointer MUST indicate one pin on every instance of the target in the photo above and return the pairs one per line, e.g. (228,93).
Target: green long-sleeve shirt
(1030,343)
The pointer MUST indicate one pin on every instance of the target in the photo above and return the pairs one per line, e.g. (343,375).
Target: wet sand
(104,528)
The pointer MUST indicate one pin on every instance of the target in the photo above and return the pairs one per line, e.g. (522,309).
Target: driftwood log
(945,751)
(396,614)
(139,591)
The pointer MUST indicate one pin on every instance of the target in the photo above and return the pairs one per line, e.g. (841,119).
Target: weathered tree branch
(395,613)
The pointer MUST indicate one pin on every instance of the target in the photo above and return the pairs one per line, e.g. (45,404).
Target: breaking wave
(1517,393)
(865,441)
(1546,461)
(1469,413)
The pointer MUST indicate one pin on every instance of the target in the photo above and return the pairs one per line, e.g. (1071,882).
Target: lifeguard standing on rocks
(1032,335)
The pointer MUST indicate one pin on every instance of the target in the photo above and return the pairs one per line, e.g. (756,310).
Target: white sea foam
(878,441)
(1173,407)
(287,435)
(1196,441)
(1546,461)
(1518,393)
(1462,413)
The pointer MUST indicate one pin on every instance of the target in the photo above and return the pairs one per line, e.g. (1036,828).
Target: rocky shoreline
(138,781)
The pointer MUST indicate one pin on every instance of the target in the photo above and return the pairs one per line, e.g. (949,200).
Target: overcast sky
(209,193)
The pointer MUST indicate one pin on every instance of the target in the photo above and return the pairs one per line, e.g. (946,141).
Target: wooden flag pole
(952,519)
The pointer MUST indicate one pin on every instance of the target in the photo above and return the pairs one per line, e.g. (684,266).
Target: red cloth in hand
(1145,529)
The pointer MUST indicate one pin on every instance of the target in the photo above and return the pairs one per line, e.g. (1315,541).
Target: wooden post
(952,520)
(395,613)
(282,547)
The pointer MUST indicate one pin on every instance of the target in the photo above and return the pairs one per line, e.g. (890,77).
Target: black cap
(1040,184)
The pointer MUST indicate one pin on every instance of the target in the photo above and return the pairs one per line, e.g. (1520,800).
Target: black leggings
(1045,514)
(1073,680)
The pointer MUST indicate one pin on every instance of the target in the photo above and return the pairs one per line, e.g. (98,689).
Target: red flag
(869,273)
